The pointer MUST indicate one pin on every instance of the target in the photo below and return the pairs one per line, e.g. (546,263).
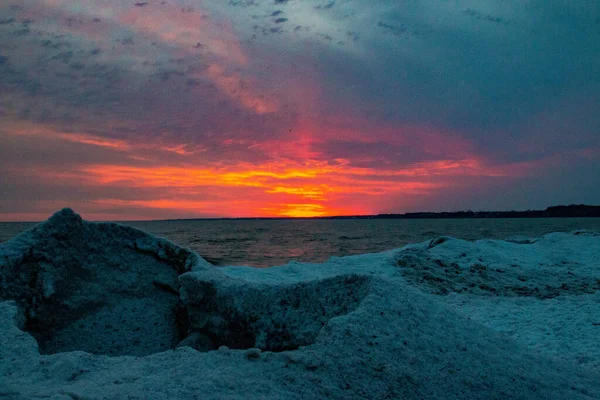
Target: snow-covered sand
(118,313)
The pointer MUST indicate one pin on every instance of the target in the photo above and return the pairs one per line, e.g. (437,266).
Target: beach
(135,316)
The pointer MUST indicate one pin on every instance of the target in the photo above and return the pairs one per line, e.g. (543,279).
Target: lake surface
(263,243)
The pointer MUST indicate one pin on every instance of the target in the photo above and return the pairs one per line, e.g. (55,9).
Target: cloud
(387,106)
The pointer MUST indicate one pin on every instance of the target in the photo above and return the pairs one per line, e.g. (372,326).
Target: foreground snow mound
(542,292)
(98,287)
(350,328)
(558,264)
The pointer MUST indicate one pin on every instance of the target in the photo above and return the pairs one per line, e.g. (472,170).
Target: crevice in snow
(233,313)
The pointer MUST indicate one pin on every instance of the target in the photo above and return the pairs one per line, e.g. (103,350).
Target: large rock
(103,288)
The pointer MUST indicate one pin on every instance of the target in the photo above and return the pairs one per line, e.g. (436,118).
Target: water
(263,243)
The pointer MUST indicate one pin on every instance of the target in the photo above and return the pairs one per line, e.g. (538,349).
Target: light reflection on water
(263,243)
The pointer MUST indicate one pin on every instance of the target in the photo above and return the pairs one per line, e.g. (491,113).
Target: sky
(128,110)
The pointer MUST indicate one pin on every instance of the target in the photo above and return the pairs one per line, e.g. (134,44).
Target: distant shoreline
(571,211)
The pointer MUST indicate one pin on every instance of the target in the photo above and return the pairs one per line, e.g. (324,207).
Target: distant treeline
(572,211)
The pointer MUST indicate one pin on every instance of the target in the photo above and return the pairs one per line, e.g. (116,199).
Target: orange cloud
(316,192)
(231,207)
(27,129)
(285,188)
(42,131)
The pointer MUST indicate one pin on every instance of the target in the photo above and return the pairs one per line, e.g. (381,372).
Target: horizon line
(409,215)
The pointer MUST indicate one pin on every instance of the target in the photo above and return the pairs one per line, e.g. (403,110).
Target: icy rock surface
(369,326)
(270,317)
(98,287)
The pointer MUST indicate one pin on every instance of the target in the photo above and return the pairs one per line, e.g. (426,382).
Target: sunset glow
(291,109)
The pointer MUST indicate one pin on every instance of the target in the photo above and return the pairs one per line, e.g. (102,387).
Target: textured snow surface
(95,310)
